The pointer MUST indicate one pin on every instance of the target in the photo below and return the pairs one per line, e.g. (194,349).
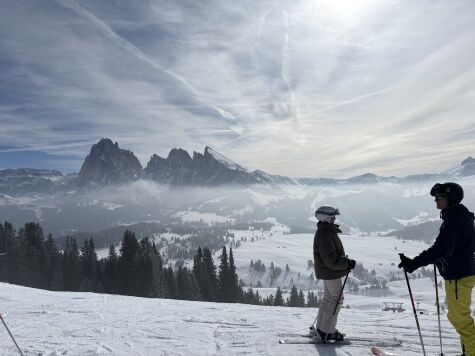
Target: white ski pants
(326,321)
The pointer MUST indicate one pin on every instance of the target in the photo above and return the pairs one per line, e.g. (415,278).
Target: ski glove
(351,264)
(408,264)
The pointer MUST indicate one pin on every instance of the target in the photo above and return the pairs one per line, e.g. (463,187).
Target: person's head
(447,194)
(326,214)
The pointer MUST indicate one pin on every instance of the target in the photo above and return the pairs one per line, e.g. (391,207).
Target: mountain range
(108,164)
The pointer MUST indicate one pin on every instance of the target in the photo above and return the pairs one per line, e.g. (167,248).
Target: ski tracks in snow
(72,324)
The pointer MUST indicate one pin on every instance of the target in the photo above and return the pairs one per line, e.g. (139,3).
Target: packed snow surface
(64,323)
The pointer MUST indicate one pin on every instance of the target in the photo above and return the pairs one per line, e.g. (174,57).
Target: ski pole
(312,327)
(341,292)
(438,308)
(413,306)
(14,341)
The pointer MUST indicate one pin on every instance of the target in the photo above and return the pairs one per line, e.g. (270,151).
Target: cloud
(300,88)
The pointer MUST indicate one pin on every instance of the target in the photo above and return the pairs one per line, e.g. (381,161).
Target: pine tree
(34,257)
(234,291)
(53,258)
(187,286)
(198,266)
(301,299)
(158,288)
(9,260)
(110,271)
(249,297)
(33,235)
(12,247)
(210,279)
(294,297)
(269,300)
(88,259)
(278,299)
(171,283)
(312,300)
(147,271)
(71,265)
(223,277)
(128,253)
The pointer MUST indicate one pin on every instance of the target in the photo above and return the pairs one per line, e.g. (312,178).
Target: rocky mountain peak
(179,157)
(109,164)
(468,160)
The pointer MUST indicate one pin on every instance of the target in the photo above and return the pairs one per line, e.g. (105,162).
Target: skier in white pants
(331,265)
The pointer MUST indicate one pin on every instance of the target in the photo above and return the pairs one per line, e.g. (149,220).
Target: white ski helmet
(326,213)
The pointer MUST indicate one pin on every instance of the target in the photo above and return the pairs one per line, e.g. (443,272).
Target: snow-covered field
(63,323)
(278,246)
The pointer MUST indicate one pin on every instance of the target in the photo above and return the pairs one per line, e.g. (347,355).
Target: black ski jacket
(328,252)
(454,249)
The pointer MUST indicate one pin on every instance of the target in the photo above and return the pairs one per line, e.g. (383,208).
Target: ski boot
(337,336)
(334,336)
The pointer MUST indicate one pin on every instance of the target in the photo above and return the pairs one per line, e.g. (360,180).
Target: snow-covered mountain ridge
(108,164)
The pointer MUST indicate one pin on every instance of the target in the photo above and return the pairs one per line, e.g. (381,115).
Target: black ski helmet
(449,189)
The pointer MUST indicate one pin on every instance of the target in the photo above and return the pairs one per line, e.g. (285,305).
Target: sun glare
(345,8)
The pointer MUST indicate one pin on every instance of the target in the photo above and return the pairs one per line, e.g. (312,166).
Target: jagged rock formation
(176,169)
(108,164)
(208,169)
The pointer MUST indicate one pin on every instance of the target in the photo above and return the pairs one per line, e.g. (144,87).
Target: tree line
(30,259)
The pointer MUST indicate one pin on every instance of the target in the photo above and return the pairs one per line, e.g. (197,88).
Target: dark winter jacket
(454,249)
(328,252)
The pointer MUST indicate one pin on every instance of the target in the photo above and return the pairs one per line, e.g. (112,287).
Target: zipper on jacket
(456,290)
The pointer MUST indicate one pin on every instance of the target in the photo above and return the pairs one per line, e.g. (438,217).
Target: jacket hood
(458,209)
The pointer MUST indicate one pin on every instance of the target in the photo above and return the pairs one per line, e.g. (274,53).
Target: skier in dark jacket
(330,265)
(454,254)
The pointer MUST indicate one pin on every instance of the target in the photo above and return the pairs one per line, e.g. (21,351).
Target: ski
(389,342)
(380,352)
(303,340)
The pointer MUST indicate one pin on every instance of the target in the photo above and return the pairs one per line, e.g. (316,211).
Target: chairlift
(394,307)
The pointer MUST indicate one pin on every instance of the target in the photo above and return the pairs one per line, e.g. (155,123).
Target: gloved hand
(408,264)
(351,264)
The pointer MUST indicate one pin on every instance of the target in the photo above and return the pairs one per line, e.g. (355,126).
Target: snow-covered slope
(63,323)
(225,161)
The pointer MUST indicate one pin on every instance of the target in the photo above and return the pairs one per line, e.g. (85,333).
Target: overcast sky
(298,88)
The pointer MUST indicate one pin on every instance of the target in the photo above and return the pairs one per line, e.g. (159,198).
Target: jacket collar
(329,226)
